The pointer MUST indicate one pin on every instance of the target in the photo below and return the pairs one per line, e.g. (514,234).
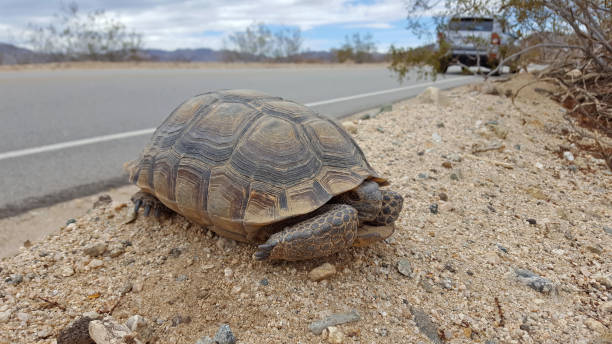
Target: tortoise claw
(147,210)
(137,204)
(264,250)
(149,203)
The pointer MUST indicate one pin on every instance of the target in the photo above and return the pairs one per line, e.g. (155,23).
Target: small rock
(67,271)
(532,222)
(386,108)
(440,125)
(135,321)
(70,221)
(404,267)
(76,333)
(366,116)
(317,327)
(44,332)
(181,278)
(95,263)
(228,272)
(71,226)
(334,335)
(606,307)
(350,127)
(130,215)
(447,164)
(102,201)
(534,281)
(446,284)
(137,286)
(595,325)
(454,176)
(226,244)
(95,250)
(224,335)
(436,137)
(108,331)
(14,279)
(607,229)
(5,316)
(117,251)
(175,252)
(425,325)
(126,288)
(422,175)
(432,95)
(264,282)
(443,196)
(539,165)
(517,146)
(380,129)
(454,157)
(574,73)
(205,340)
(433,208)
(606,281)
(322,272)
(502,248)
(450,267)
(421,153)
(568,156)
(179,319)
(92,315)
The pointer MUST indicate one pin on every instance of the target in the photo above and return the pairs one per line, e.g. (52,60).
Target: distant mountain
(11,54)
(187,55)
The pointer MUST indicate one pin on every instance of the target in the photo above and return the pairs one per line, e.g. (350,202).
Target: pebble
(443,196)
(228,272)
(322,272)
(404,267)
(502,248)
(447,164)
(126,288)
(433,208)
(23,317)
(607,229)
(532,222)
(350,127)
(224,335)
(181,278)
(454,157)
(436,137)
(137,286)
(108,331)
(425,325)
(226,244)
(334,335)
(44,332)
(318,326)
(102,201)
(606,307)
(14,279)
(595,325)
(179,319)
(70,221)
(423,175)
(95,263)
(117,251)
(606,281)
(534,281)
(205,340)
(568,156)
(5,316)
(539,165)
(264,282)
(96,249)
(67,271)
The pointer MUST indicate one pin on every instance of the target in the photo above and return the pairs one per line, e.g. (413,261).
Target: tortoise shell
(241,160)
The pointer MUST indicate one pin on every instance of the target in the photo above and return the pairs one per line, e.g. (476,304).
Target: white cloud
(184,24)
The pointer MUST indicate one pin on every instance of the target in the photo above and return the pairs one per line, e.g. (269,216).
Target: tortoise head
(366,198)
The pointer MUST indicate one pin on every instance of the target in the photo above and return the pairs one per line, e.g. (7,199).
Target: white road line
(128,134)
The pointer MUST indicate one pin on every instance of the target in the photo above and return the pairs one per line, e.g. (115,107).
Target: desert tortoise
(254,167)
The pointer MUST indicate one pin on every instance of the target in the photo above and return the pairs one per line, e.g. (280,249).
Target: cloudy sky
(171,24)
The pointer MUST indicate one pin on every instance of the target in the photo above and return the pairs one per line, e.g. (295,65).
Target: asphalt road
(55,125)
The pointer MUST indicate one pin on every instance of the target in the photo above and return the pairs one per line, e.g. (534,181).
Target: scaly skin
(392,203)
(333,228)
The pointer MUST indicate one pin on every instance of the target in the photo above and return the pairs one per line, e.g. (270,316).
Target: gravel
(567,247)
(317,327)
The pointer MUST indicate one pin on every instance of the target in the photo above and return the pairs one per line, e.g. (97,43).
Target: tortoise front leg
(392,203)
(332,228)
(149,202)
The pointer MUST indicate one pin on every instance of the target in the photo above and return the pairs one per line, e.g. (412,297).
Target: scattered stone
(436,137)
(534,281)
(135,321)
(446,284)
(5,316)
(224,335)
(366,117)
(95,263)
(27,244)
(179,319)
(450,267)
(607,229)
(447,164)
(226,244)
(574,73)
(228,272)
(454,157)
(322,272)
(137,286)
(350,127)
(205,340)
(517,146)
(595,325)
(606,281)
(532,222)
(131,215)
(502,248)
(568,156)
(454,176)
(317,327)
(335,335)
(421,153)
(264,282)
(126,288)
(433,208)
(102,201)
(440,125)
(70,221)
(426,285)
(117,251)
(44,332)
(76,333)
(425,325)
(14,279)
(175,252)
(480,148)
(67,271)
(606,307)
(404,267)
(109,331)
(96,249)
(386,108)
(432,95)
(443,196)
(181,278)
(423,175)
(539,165)
(380,129)
(92,315)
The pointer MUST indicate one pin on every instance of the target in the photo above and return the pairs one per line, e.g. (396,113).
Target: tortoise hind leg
(392,203)
(332,228)
(149,202)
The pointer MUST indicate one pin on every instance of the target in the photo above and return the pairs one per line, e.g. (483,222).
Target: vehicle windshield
(471,24)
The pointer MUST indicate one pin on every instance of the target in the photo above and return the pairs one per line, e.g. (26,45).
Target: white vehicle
(472,41)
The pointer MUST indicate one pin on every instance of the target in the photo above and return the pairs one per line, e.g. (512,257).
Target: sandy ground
(503,239)
(179,65)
